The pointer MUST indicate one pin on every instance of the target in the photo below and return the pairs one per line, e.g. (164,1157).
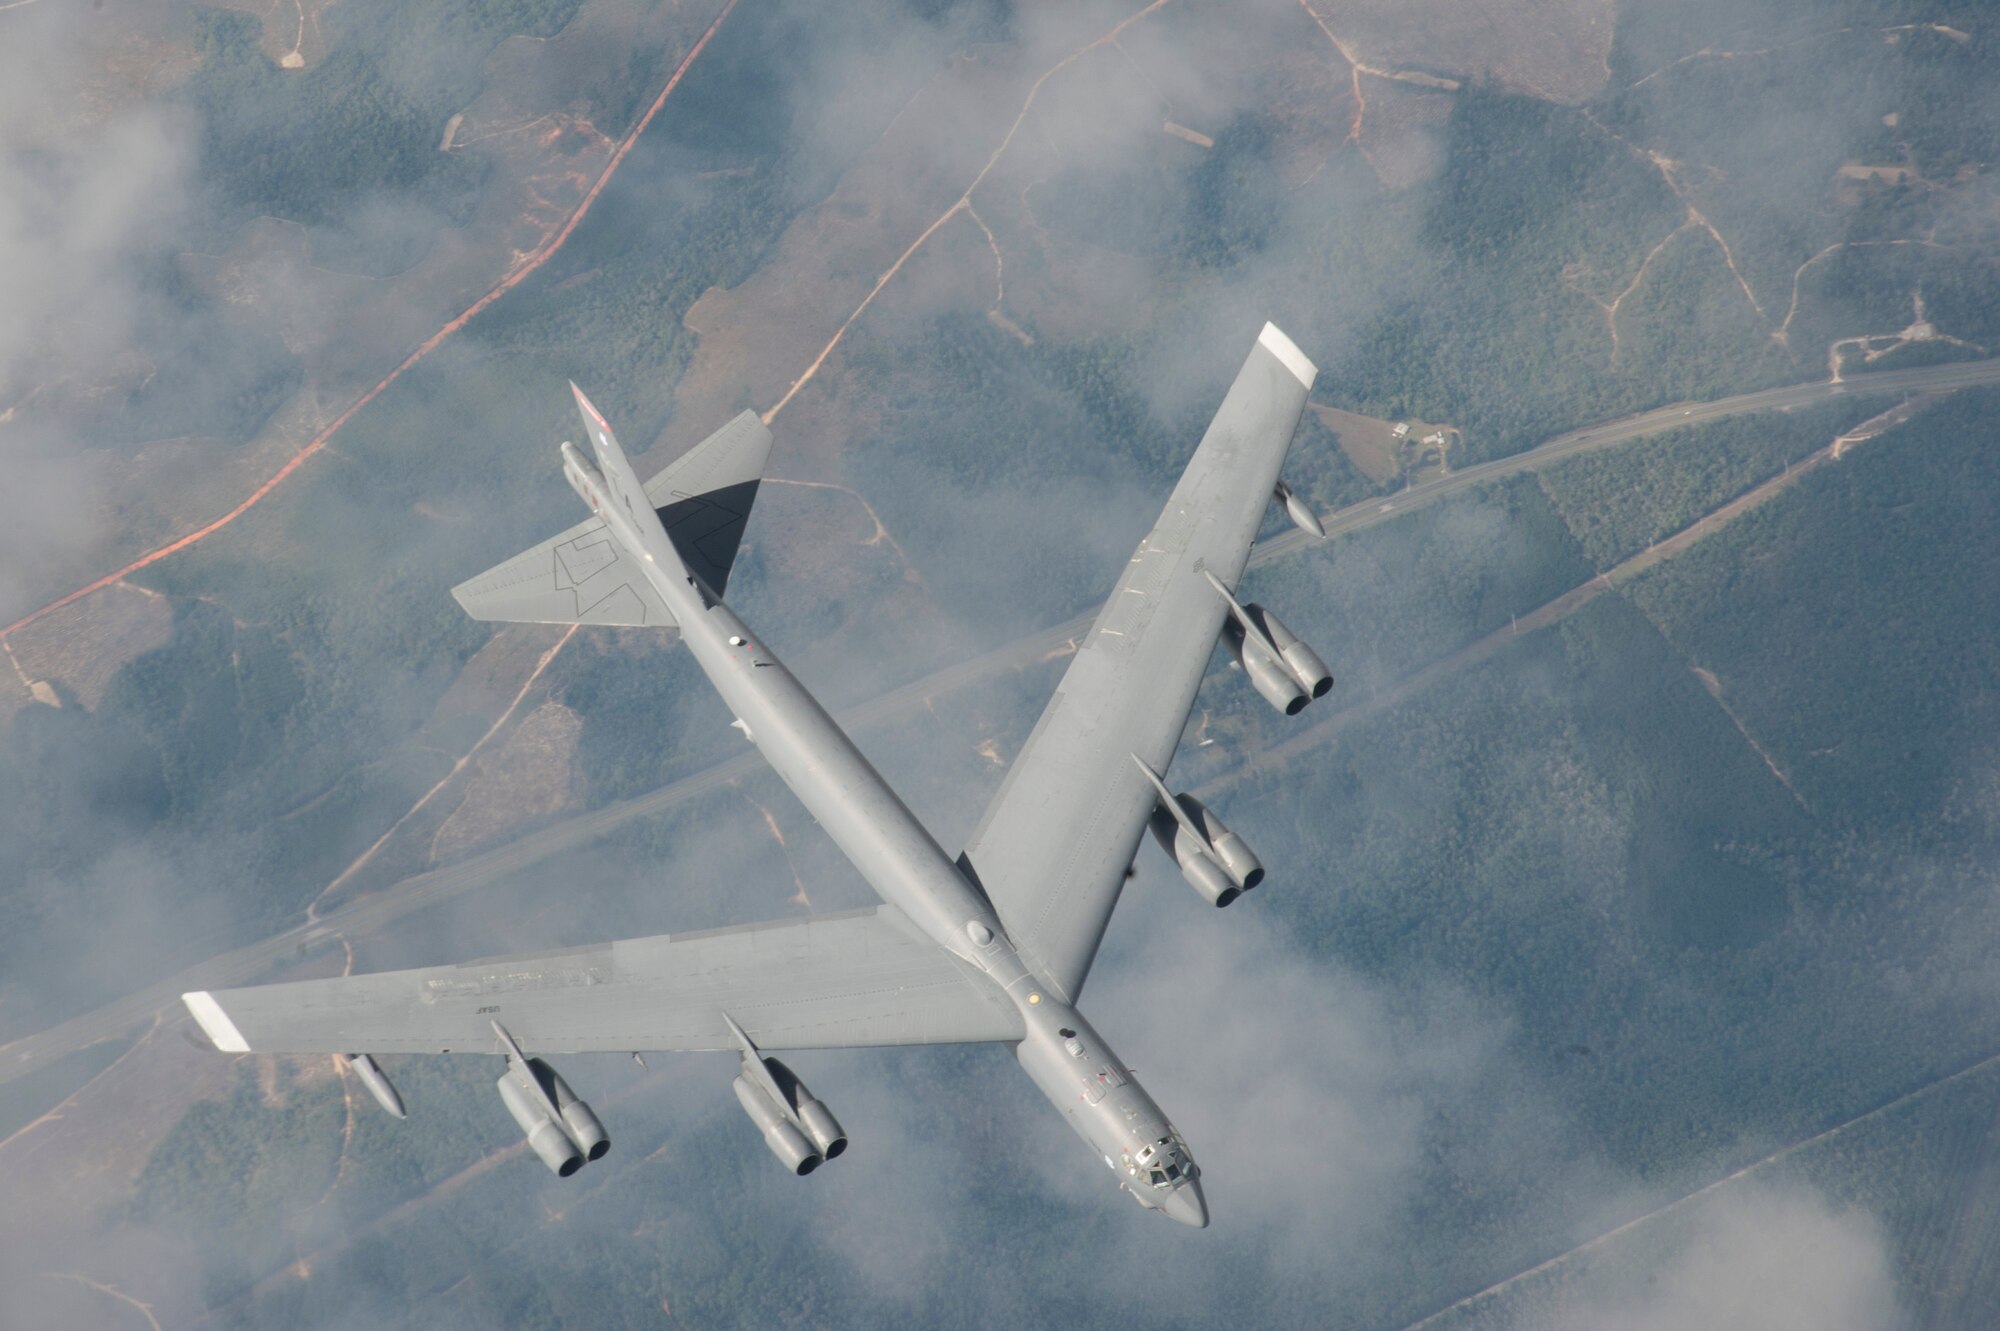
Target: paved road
(371,913)
(1927,379)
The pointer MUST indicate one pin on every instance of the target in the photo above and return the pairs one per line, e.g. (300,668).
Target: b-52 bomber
(992,945)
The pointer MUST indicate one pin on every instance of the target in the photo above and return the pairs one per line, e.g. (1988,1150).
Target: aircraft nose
(1186,1205)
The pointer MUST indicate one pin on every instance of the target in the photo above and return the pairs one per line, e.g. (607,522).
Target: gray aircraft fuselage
(899,858)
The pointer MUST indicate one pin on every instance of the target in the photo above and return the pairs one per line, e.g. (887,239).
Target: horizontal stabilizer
(583,576)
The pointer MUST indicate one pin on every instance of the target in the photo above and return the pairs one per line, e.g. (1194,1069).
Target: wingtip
(1273,340)
(215,1023)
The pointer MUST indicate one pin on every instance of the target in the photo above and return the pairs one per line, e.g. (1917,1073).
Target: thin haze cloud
(1307,1089)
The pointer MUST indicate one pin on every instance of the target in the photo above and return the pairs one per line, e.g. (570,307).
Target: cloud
(76,209)
(84,201)
(1773,1258)
(1325,1105)
(1303,1088)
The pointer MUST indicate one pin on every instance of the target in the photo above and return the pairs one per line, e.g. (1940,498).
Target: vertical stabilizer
(704,497)
(619,479)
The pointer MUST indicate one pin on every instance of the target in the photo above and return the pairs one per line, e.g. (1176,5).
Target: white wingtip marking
(1273,340)
(216,1022)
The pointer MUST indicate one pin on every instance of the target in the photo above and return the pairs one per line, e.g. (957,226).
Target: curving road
(373,912)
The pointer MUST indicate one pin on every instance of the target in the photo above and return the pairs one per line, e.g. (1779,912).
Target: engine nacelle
(545,1138)
(1210,879)
(1301,661)
(573,1116)
(811,1115)
(585,1129)
(780,1134)
(822,1127)
(1268,675)
(565,1139)
(1217,863)
(1237,858)
(814,1117)
(578,1120)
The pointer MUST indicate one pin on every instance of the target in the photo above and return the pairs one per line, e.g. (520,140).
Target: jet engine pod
(1224,846)
(1268,675)
(1238,860)
(1301,661)
(577,1118)
(811,1115)
(785,1140)
(1210,879)
(545,1138)
(586,1130)
(822,1127)
(1200,865)
(1219,864)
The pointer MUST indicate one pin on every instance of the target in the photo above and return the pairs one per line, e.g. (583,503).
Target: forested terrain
(1873,580)
(1621,503)
(1595,916)
(286,724)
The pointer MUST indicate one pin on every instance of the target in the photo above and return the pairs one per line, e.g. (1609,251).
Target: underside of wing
(834,981)
(582,576)
(1052,850)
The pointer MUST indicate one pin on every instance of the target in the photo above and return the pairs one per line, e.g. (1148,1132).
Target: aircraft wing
(582,576)
(865,977)
(1052,850)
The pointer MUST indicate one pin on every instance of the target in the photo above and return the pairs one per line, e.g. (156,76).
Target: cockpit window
(1165,1162)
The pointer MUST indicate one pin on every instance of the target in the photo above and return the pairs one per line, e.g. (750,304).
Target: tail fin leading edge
(611,460)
